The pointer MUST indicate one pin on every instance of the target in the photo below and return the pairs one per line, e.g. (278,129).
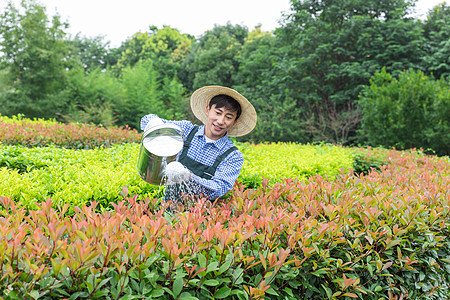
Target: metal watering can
(160,145)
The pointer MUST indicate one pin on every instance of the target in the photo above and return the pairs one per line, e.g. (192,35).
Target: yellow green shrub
(71,176)
(32,175)
(277,161)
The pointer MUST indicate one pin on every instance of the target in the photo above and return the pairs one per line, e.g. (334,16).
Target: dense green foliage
(304,78)
(327,52)
(408,112)
(78,177)
(437,33)
(290,160)
(33,52)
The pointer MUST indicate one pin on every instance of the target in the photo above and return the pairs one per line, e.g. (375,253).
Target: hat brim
(245,123)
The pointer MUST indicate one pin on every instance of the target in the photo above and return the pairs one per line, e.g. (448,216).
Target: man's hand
(175,173)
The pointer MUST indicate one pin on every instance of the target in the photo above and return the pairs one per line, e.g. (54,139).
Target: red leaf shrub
(76,136)
(381,235)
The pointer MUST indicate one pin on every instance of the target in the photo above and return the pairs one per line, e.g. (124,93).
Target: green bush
(13,158)
(75,177)
(278,161)
(367,160)
(146,91)
(412,111)
(92,97)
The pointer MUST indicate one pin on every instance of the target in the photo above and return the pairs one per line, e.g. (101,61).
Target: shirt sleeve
(186,126)
(226,175)
(145,119)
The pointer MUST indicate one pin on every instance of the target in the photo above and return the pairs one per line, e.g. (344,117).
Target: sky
(118,20)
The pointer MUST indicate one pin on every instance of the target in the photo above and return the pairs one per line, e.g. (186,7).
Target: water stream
(176,176)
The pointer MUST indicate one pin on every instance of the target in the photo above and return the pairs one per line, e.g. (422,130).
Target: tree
(213,59)
(409,112)
(436,61)
(165,47)
(254,57)
(35,55)
(92,52)
(147,91)
(261,78)
(329,50)
(93,97)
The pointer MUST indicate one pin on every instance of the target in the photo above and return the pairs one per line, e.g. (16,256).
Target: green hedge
(278,161)
(77,177)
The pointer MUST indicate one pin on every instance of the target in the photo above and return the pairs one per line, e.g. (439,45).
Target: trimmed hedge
(77,177)
(41,133)
(307,229)
(278,161)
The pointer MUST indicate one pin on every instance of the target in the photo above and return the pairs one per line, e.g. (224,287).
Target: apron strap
(208,171)
(222,156)
(187,142)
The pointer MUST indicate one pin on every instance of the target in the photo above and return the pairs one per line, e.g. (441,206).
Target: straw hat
(200,100)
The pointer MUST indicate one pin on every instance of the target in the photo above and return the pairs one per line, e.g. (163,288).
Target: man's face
(219,121)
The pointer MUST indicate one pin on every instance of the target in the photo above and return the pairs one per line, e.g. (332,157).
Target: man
(209,154)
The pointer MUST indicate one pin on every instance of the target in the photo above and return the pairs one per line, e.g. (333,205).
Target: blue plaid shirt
(206,153)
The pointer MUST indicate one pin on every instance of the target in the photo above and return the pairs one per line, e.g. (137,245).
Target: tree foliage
(166,47)
(412,111)
(331,48)
(147,92)
(213,59)
(263,72)
(437,35)
(91,52)
(93,96)
(34,54)
(304,78)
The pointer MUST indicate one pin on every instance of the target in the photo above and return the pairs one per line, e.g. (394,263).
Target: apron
(197,168)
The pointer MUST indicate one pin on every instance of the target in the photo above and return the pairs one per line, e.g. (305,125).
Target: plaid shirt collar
(219,144)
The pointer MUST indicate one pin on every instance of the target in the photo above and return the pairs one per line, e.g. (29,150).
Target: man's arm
(226,175)
(186,126)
